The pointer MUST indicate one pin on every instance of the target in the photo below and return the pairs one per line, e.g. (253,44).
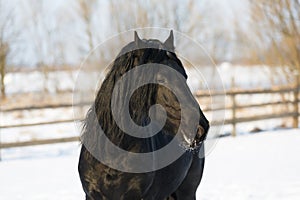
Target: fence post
(296,101)
(0,146)
(233,100)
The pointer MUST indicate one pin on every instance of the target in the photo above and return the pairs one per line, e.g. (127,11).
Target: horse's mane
(140,102)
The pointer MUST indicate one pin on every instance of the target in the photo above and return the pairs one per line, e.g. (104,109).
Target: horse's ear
(169,43)
(137,40)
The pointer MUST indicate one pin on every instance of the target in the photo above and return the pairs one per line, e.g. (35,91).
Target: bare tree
(279,29)
(8,34)
(46,34)
(85,11)
(3,56)
(40,33)
(281,22)
(183,16)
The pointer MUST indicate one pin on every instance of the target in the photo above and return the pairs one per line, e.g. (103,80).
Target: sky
(41,39)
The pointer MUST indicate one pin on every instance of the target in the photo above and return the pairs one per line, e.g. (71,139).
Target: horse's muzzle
(200,136)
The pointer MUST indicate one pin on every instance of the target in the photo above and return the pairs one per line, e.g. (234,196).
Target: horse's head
(156,52)
(181,111)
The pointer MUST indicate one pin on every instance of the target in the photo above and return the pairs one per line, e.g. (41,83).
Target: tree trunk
(3,55)
(2,74)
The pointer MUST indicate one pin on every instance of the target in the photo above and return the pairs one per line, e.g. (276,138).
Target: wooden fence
(233,108)
(233,93)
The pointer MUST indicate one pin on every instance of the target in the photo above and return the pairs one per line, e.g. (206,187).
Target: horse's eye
(161,80)
(169,54)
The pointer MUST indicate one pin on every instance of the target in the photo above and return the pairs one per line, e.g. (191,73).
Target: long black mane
(140,102)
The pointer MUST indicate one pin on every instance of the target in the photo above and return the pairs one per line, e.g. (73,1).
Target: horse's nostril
(200,132)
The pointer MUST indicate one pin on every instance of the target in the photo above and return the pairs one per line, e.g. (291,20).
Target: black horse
(178,180)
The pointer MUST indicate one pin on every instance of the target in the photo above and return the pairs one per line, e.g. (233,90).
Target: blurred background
(255,46)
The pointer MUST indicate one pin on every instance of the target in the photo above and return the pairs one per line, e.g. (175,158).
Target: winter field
(250,166)
(255,166)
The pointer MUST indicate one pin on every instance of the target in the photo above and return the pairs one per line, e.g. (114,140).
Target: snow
(245,77)
(42,178)
(260,166)
(17,82)
(254,166)
(22,134)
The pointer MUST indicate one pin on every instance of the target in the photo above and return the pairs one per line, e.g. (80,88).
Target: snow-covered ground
(254,166)
(49,176)
(260,166)
(244,76)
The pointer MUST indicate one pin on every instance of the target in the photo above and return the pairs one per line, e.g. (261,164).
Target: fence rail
(237,91)
(234,120)
(234,92)
(38,142)
(45,106)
